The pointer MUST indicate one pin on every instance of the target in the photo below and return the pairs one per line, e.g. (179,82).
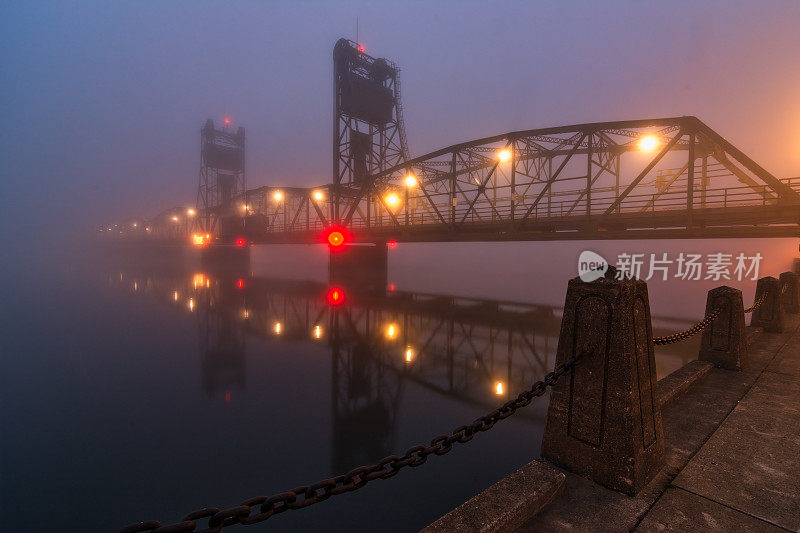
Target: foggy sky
(102,103)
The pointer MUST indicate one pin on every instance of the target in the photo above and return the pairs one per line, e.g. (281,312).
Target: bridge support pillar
(604,421)
(724,342)
(790,298)
(360,267)
(769,314)
(226,258)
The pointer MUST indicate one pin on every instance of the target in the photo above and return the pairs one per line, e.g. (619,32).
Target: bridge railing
(297,214)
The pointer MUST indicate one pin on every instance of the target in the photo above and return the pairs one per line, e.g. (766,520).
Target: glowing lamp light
(391,244)
(240,283)
(391,287)
(198,240)
(411,181)
(317,332)
(198,279)
(318,196)
(277,328)
(175,295)
(245,314)
(361,48)
(174,219)
(191,304)
(240,241)
(648,143)
(277,196)
(504,155)
(336,238)
(392,331)
(135,224)
(392,199)
(498,388)
(227,121)
(190,212)
(410,354)
(335,296)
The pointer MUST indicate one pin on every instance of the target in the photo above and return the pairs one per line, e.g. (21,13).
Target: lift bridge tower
(368,131)
(221,185)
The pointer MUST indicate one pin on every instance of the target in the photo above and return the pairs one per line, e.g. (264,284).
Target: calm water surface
(146,387)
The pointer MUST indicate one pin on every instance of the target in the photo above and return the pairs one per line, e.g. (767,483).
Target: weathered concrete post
(770,314)
(724,342)
(603,421)
(790,298)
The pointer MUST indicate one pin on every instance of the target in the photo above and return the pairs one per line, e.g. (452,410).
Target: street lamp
(504,155)
(392,199)
(648,143)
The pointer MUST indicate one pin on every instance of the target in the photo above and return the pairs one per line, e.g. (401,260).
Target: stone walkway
(732,457)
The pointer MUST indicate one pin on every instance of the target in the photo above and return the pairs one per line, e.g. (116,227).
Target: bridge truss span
(662,178)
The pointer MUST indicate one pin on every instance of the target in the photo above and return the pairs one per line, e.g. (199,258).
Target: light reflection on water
(148,389)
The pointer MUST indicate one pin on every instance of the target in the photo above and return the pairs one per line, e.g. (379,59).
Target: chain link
(694,330)
(261,508)
(700,326)
(757,304)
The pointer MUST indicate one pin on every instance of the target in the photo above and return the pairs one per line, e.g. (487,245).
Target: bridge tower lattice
(368,130)
(222,178)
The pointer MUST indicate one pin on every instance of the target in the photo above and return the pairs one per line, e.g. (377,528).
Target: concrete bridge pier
(226,258)
(358,267)
(604,420)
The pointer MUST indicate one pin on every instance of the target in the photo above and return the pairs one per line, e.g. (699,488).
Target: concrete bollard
(770,314)
(790,298)
(603,421)
(724,342)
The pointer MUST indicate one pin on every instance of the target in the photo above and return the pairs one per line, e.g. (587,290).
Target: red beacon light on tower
(361,48)
(240,241)
(226,121)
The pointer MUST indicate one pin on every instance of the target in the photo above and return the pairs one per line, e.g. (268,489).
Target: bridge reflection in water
(476,351)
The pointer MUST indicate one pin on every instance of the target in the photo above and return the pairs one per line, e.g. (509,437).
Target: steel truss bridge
(659,178)
(662,178)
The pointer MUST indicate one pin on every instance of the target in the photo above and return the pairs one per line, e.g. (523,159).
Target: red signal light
(227,121)
(361,48)
(240,283)
(335,296)
(391,244)
(240,242)
(335,238)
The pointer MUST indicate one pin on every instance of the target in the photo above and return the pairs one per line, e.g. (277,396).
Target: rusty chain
(694,330)
(300,497)
(757,304)
(700,326)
